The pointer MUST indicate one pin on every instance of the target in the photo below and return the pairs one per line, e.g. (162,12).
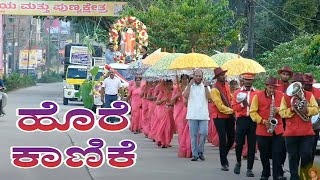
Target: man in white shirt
(197,95)
(110,88)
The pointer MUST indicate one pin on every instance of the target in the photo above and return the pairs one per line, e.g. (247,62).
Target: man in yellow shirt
(223,116)
(298,133)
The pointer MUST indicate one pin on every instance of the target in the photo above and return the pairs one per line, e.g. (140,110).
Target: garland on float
(137,26)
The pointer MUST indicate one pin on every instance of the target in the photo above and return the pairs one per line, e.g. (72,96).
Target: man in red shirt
(264,108)
(316,92)
(244,124)
(223,116)
(299,135)
(285,74)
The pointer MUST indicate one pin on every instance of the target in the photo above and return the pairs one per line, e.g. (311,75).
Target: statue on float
(129,36)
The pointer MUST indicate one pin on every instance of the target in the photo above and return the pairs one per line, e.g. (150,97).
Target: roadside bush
(301,54)
(50,77)
(15,81)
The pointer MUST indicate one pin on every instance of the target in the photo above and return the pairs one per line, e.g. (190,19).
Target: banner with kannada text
(35,58)
(61,8)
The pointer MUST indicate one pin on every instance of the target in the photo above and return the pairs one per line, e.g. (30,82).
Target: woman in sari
(154,114)
(165,129)
(135,101)
(179,116)
(145,121)
(151,105)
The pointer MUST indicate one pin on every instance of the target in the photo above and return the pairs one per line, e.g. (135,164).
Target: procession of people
(229,116)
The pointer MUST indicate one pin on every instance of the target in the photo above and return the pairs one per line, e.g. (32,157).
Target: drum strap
(223,97)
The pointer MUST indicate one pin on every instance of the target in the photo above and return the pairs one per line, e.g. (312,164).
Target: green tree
(312,53)
(295,53)
(183,25)
(271,28)
(279,21)
(300,13)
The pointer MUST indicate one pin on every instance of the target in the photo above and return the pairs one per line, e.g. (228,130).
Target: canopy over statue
(129,35)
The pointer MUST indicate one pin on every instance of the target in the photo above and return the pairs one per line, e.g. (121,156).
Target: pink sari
(185,149)
(145,118)
(154,114)
(213,137)
(179,114)
(165,128)
(150,111)
(182,126)
(131,85)
(136,103)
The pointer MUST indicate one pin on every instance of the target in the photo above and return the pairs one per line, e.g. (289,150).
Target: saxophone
(272,120)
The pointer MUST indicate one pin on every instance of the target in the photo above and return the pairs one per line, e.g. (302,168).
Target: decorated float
(129,35)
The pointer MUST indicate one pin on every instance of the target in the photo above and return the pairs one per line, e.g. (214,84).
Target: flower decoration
(137,26)
(119,57)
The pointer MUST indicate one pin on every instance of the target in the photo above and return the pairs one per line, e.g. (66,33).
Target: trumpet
(272,120)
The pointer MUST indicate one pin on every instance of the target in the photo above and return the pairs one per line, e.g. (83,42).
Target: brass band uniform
(285,74)
(309,81)
(223,116)
(264,111)
(297,106)
(244,124)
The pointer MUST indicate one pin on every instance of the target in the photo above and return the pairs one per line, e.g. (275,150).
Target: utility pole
(4,45)
(251,14)
(58,54)
(18,45)
(29,48)
(13,63)
(48,62)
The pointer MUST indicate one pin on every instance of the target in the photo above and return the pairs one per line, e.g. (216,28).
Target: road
(152,162)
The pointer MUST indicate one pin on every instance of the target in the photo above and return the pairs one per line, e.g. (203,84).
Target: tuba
(272,120)
(298,101)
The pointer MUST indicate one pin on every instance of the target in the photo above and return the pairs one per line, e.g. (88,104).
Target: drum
(241,97)
(315,122)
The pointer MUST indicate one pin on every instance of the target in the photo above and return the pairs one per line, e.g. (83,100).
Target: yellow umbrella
(238,66)
(192,61)
(154,57)
(221,58)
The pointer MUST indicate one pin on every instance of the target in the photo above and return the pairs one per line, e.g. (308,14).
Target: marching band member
(264,111)
(223,116)
(298,133)
(309,80)
(285,74)
(244,124)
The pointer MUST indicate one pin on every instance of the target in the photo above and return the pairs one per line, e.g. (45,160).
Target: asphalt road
(152,162)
